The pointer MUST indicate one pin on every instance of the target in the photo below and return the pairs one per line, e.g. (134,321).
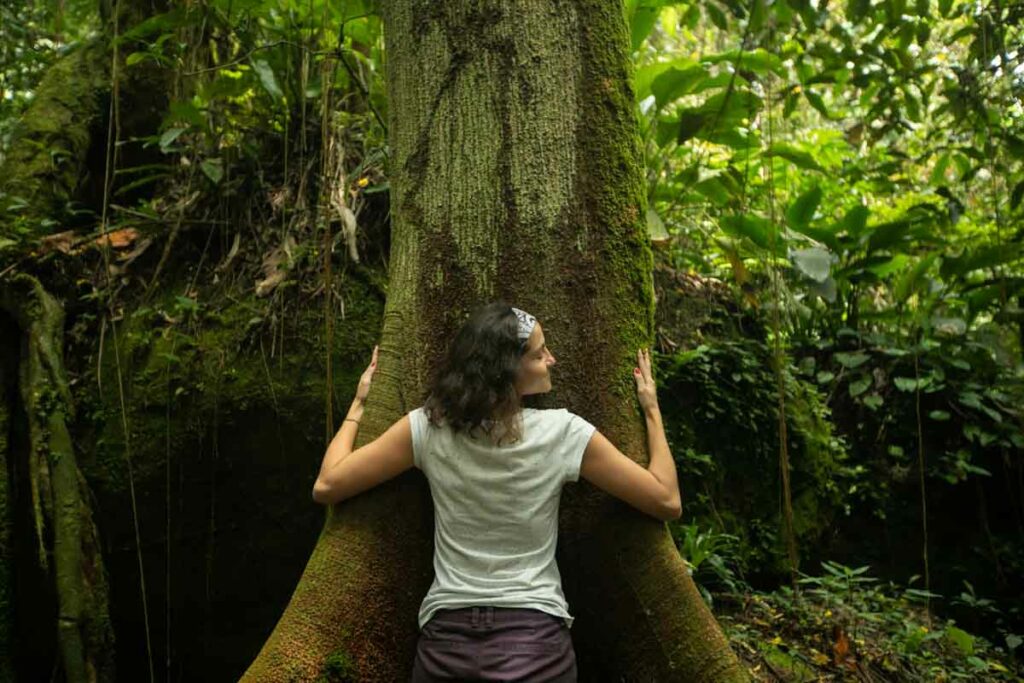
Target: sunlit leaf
(675,82)
(655,226)
(759,61)
(794,155)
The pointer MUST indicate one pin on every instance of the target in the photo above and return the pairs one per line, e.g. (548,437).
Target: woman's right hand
(646,392)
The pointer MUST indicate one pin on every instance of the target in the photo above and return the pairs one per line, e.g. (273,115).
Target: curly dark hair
(473,389)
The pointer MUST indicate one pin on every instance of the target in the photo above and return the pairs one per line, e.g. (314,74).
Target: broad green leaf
(644,19)
(185,112)
(690,124)
(666,131)
(938,176)
(267,78)
(982,257)
(135,57)
(855,220)
(909,283)
(755,228)
(160,23)
(939,415)
(851,359)
(908,384)
(873,401)
(645,75)
(728,108)
(814,262)
(760,61)
(816,102)
(963,640)
(213,168)
(675,82)
(794,155)
(169,136)
(6,242)
(826,289)
(893,264)
(655,226)
(885,235)
(801,211)
(716,15)
(859,386)
(821,235)
(716,189)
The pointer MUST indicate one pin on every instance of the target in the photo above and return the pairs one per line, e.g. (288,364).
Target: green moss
(338,668)
(46,159)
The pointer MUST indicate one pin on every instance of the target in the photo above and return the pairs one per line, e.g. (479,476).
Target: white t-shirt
(496,511)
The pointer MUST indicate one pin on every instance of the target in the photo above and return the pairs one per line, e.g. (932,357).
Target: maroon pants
(494,644)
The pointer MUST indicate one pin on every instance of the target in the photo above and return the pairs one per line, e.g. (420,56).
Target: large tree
(515,174)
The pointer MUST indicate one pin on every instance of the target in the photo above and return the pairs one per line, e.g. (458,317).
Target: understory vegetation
(835,204)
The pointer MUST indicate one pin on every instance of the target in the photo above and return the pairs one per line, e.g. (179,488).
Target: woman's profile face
(534,376)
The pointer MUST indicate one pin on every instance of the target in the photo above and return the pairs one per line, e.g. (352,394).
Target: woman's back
(496,511)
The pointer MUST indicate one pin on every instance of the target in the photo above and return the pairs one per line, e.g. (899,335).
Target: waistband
(488,614)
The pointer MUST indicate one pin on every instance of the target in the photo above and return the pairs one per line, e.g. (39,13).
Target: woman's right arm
(654,489)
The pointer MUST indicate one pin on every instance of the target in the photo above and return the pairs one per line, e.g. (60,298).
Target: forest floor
(837,630)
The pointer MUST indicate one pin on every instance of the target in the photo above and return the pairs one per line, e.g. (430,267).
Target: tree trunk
(67,544)
(515,174)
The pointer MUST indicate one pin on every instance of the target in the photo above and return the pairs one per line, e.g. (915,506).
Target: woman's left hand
(363,390)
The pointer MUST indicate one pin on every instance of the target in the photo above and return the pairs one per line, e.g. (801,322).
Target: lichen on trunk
(515,174)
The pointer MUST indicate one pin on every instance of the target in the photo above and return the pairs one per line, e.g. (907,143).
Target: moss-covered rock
(225,409)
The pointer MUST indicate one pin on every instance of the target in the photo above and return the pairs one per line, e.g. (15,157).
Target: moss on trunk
(63,520)
(515,173)
(46,162)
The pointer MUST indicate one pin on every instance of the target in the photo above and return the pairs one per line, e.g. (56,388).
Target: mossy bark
(65,536)
(515,174)
(47,160)
(57,158)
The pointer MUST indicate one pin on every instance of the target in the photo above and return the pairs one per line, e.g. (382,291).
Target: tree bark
(64,533)
(515,174)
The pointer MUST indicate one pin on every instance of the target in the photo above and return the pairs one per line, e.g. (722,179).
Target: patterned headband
(526,323)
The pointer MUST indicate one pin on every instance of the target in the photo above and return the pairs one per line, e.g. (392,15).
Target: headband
(526,323)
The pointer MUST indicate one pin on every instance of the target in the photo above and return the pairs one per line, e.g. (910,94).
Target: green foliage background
(834,192)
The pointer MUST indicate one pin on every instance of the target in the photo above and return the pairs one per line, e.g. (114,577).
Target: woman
(496,610)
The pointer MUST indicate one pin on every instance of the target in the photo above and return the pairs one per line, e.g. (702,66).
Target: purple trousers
(494,644)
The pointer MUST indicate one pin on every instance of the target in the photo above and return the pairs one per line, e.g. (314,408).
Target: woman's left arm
(345,472)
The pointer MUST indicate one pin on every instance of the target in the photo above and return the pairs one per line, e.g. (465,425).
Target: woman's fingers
(643,369)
